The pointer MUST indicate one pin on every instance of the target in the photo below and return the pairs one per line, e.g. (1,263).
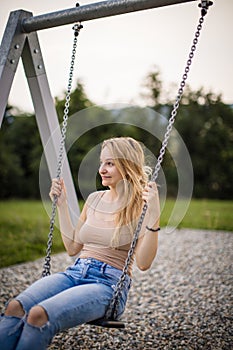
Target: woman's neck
(112,195)
(116,193)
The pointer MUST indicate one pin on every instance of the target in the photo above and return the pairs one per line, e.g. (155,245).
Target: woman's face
(108,171)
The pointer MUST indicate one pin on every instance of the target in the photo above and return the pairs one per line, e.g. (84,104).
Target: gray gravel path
(183,302)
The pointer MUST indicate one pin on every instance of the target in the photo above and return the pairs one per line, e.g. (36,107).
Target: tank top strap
(95,198)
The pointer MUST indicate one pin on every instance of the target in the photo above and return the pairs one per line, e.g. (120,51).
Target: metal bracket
(10,53)
(204,5)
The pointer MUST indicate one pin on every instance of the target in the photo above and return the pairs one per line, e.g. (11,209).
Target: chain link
(114,303)
(47,264)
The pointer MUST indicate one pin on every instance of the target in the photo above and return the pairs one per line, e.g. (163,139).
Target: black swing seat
(102,322)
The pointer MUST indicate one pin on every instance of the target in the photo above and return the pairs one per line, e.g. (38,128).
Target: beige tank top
(97,231)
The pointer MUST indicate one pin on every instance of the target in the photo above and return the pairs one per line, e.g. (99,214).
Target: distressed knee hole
(14,308)
(37,316)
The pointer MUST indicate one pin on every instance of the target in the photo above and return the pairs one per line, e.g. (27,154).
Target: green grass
(202,214)
(24,226)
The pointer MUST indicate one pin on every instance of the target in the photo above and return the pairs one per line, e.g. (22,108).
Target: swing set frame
(20,40)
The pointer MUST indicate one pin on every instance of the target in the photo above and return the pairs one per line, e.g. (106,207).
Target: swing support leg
(16,44)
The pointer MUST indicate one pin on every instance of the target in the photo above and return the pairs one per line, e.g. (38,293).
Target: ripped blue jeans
(80,294)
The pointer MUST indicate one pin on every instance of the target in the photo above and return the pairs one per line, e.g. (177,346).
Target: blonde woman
(102,239)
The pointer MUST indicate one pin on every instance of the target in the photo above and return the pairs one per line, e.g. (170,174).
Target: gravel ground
(183,302)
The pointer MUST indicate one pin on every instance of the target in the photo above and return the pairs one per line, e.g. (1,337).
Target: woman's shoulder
(94,196)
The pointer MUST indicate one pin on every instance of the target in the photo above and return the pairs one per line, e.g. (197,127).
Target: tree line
(204,122)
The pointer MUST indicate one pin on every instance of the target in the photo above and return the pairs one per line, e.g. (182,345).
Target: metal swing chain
(47,264)
(114,303)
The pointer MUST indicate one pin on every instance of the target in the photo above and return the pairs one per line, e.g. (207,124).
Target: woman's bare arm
(147,245)
(68,232)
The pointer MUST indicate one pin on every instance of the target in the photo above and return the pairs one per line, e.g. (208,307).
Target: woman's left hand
(151,196)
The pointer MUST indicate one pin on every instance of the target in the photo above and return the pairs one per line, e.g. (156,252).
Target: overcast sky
(116,53)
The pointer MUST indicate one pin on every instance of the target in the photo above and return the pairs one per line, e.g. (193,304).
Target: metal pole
(46,117)
(92,11)
(10,52)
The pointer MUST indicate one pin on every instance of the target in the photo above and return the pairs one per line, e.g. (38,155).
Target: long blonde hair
(129,159)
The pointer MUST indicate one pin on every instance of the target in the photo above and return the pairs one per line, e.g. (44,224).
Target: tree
(20,152)
(78,101)
(10,170)
(205,124)
(203,121)
(21,148)
(153,88)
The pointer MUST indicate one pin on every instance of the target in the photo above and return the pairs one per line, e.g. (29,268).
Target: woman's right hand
(58,189)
